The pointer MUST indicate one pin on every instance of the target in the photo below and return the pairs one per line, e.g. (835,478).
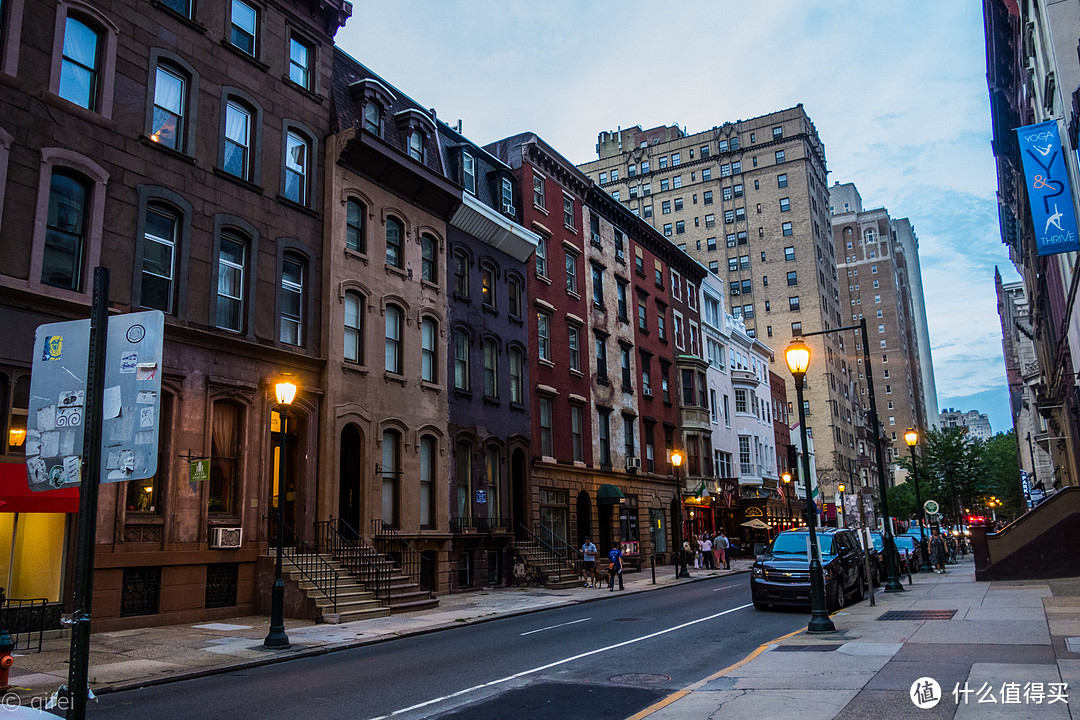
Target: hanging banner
(1049,194)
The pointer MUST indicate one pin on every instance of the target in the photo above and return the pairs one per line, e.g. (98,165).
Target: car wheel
(860,589)
(836,602)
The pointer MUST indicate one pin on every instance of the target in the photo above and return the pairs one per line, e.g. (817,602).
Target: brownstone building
(177,144)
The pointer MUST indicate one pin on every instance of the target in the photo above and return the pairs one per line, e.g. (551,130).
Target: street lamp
(798,360)
(911,437)
(277,638)
(787,494)
(681,570)
(843,506)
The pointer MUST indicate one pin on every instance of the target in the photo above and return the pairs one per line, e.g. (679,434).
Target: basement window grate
(918,615)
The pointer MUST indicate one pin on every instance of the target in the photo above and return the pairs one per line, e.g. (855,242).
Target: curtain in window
(236,124)
(225,442)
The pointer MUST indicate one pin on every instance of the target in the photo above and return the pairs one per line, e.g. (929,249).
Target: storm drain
(918,615)
(639,679)
(807,648)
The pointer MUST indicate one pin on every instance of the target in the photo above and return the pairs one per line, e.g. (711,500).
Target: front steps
(558,578)
(356,602)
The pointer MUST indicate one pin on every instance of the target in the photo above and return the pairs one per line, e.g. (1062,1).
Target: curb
(338,647)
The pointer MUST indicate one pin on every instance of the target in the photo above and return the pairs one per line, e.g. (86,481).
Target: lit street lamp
(681,570)
(911,437)
(787,494)
(843,507)
(277,638)
(798,360)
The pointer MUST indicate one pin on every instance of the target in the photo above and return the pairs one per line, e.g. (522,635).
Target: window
(642,316)
(667,229)
(546,445)
(543,336)
(393,242)
(736,167)
(620,293)
(793,278)
(507,195)
(372,117)
(244,27)
(354,226)
(491,365)
(416,145)
(237,159)
(159,259)
(461,360)
(796,328)
(620,245)
(680,227)
(786,229)
(597,286)
(785,204)
(663,162)
(354,328)
(706,174)
(292,301)
(170,97)
(793,302)
(873,269)
(571,273)
(231,282)
(687,387)
(631,171)
(542,257)
(461,273)
(661,322)
(391,465)
(538,191)
(665,386)
(594,229)
(517,381)
(629,439)
(603,178)
(710,220)
(603,436)
(429,333)
(644,166)
(789,253)
(577,433)
(664,184)
(427,481)
(463,472)
(487,286)
(393,339)
(80,65)
(665,207)
(428,251)
(225,452)
(648,211)
(677,330)
(513,288)
(624,361)
(300,56)
(297,152)
(646,189)
(573,342)
(779,156)
(601,358)
(614,174)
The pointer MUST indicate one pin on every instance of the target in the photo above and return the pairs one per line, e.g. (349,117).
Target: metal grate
(221,579)
(807,648)
(918,615)
(25,620)
(139,595)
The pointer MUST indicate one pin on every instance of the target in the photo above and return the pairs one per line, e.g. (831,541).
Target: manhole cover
(639,679)
(918,615)
(807,648)
(627,619)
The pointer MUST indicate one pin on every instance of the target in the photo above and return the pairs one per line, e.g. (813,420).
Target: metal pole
(683,571)
(79,668)
(277,638)
(923,551)
(819,615)
(892,560)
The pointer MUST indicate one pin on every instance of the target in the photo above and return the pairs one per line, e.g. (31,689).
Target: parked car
(781,575)
(908,547)
(877,559)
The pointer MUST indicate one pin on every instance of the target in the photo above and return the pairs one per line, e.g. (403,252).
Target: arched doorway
(350,469)
(285,477)
(517,485)
(584,517)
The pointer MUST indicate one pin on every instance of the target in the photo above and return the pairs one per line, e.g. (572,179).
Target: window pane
(354,226)
(168,108)
(78,71)
(292,291)
(243,26)
(393,243)
(296,156)
(299,63)
(158,254)
(237,137)
(427,347)
(65,233)
(353,336)
(230,284)
(393,339)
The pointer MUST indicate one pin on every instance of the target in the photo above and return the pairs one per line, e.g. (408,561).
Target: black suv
(781,575)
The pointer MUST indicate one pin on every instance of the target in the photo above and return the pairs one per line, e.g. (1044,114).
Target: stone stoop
(558,578)
(354,602)
(406,595)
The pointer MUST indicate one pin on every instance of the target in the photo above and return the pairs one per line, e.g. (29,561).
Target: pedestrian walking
(588,565)
(937,552)
(718,559)
(615,568)
(725,550)
(706,552)
(695,550)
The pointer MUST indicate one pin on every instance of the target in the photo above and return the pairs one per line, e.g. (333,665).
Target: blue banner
(1052,217)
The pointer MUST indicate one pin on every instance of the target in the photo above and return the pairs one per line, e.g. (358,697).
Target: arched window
(487,284)
(354,226)
(429,332)
(428,250)
(354,327)
(391,465)
(225,450)
(513,287)
(80,65)
(232,264)
(870,235)
(159,258)
(493,461)
(393,339)
(491,369)
(461,273)
(65,231)
(416,145)
(393,242)
(297,168)
(516,376)
(237,159)
(428,452)
(461,360)
(170,102)
(463,465)
(372,117)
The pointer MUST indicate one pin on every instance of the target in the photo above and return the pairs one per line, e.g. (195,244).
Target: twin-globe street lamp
(681,570)
(911,437)
(277,638)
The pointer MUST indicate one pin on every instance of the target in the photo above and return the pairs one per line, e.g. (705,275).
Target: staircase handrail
(361,560)
(574,557)
(550,554)
(391,544)
(308,563)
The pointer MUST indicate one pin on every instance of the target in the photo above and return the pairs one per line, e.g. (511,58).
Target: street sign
(199,471)
(930,506)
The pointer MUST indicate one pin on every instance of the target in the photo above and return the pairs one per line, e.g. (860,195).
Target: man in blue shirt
(615,556)
(588,550)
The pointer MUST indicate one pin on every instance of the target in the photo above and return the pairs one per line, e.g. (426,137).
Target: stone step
(366,614)
(423,602)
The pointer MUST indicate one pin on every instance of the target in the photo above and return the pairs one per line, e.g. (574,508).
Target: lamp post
(277,638)
(798,360)
(681,570)
(911,437)
(843,507)
(787,495)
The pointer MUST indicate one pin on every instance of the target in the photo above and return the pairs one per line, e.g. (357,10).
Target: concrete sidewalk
(148,656)
(999,640)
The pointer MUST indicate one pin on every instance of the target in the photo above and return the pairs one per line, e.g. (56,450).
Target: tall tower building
(749,201)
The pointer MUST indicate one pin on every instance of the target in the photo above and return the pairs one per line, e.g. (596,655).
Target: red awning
(16,495)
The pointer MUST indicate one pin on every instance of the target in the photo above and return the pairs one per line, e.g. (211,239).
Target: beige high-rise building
(749,200)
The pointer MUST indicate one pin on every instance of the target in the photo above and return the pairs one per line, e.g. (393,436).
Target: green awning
(609,495)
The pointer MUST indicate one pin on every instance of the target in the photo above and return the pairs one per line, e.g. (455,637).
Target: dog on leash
(602,576)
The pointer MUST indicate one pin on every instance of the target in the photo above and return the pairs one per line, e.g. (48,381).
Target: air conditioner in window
(734,291)
(224,538)
(648,392)
(508,208)
(633,464)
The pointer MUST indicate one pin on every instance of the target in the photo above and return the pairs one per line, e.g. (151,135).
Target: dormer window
(468,172)
(416,145)
(371,118)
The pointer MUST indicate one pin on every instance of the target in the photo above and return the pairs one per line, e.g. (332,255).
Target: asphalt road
(597,660)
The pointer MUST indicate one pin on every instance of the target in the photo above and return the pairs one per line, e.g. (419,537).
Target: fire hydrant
(6,659)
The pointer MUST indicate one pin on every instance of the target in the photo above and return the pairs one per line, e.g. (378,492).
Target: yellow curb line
(679,694)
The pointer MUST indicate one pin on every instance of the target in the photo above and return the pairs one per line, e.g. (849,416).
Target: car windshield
(795,544)
(879,544)
(905,542)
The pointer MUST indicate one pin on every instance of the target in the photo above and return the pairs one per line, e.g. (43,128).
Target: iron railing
(554,551)
(479,525)
(25,622)
(306,559)
(344,544)
(398,551)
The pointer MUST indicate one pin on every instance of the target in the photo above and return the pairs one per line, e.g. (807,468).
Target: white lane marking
(550,665)
(552,627)
(729,587)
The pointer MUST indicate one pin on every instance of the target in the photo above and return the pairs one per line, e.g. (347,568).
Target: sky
(896,90)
